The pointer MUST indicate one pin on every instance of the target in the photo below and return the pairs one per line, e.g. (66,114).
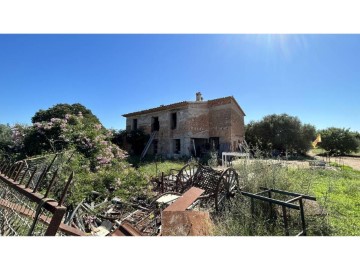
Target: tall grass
(263,221)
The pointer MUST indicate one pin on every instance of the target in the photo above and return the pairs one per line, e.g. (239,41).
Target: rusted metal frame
(68,230)
(23,177)
(23,204)
(15,219)
(44,173)
(15,166)
(21,210)
(39,210)
(21,167)
(31,178)
(307,197)
(294,199)
(282,203)
(252,207)
(3,161)
(4,168)
(42,218)
(144,218)
(126,229)
(42,176)
(51,183)
(187,199)
(12,169)
(32,196)
(62,198)
(162,183)
(302,216)
(17,171)
(263,192)
(9,169)
(55,221)
(270,205)
(286,226)
(9,226)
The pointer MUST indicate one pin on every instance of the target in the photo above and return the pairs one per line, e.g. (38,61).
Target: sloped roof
(212,103)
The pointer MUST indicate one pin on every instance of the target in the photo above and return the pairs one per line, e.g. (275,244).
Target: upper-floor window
(155,125)
(173,120)
(134,125)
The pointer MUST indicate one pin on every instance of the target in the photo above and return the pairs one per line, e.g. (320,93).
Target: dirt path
(347,161)
(353,162)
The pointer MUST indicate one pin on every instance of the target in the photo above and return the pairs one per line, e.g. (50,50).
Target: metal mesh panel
(18,213)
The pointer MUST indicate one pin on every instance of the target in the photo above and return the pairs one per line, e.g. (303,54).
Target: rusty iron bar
(286,226)
(55,221)
(252,206)
(42,218)
(51,183)
(126,229)
(282,203)
(19,171)
(10,170)
(62,198)
(307,197)
(2,163)
(3,169)
(42,176)
(31,178)
(263,192)
(14,172)
(52,206)
(302,216)
(34,197)
(23,177)
(162,183)
(270,204)
(294,199)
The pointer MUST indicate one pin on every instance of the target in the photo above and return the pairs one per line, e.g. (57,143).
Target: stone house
(191,127)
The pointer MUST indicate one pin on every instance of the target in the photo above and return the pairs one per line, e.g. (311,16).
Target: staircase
(152,136)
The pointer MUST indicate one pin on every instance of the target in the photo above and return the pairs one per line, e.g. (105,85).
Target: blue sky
(314,77)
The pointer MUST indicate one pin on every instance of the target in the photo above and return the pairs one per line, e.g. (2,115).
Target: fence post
(302,217)
(287,233)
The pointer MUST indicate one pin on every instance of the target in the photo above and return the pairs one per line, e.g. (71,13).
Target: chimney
(199,97)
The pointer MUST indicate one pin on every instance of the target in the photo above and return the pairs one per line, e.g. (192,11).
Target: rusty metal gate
(26,211)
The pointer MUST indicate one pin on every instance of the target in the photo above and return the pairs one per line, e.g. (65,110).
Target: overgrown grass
(336,212)
(154,169)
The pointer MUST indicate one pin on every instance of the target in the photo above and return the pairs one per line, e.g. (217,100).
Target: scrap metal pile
(100,217)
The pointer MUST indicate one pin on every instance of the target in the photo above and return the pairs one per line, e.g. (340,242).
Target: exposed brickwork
(220,118)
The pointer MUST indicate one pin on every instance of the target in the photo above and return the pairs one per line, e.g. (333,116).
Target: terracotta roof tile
(212,103)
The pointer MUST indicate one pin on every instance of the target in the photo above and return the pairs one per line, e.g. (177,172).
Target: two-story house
(191,127)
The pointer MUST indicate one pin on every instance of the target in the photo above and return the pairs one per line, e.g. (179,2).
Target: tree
(61,110)
(5,138)
(137,139)
(339,141)
(280,133)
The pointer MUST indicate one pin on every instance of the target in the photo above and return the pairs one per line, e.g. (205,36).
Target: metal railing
(26,211)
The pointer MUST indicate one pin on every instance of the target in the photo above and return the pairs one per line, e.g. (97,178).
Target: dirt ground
(352,162)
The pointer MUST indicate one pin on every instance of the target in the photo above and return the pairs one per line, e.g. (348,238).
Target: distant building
(191,127)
